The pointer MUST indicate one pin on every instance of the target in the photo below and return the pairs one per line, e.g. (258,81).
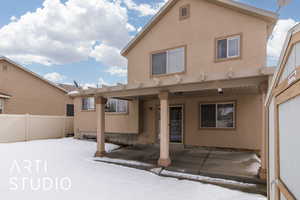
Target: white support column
(164,159)
(100,110)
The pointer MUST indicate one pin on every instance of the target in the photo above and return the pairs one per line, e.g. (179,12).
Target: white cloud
(13,18)
(54,77)
(99,84)
(144,9)
(130,27)
(118,71)
(108,55)
(277,39)
(139,29)
(61,33)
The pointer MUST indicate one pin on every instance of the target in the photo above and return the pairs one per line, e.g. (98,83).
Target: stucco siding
(29,94)
(246,135)
(86,121)
(206,23)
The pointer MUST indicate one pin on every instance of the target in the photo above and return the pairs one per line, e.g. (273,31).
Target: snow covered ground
(63,169)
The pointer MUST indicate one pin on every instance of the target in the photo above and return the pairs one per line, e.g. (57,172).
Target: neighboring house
(68,87)
(283,143)
(24,92)
(197,76)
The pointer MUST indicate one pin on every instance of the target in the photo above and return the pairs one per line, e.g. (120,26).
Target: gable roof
(265,15)
(32,73)
(280,64)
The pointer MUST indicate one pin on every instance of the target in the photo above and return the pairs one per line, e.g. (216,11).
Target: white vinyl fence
(16,128)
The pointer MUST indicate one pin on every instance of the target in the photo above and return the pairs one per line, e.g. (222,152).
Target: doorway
(176,124)
(176,113)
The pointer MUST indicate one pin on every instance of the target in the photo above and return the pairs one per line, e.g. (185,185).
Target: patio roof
(176,84)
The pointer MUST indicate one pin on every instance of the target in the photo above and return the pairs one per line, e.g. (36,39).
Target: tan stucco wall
(85,121)
(247,134)
(207,22)
(30,95)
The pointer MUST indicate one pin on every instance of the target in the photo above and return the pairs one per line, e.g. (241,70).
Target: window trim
(188,7)
(2,102)
(231,57)
(164,50)
(119,113)
(234,102)
(88,110)
(285,62)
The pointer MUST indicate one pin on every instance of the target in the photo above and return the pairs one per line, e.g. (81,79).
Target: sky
(66,40)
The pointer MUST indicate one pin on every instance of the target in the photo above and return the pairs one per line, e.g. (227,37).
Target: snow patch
(73,92)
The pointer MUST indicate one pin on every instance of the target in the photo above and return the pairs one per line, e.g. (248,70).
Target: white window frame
(88,109)
(167,61)
(216,104)
(2,105)
(239,46)
(117,101)
(292,62)
(227,47)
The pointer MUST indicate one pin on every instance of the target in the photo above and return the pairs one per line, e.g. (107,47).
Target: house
(197,76)
(283,141)
(24,92)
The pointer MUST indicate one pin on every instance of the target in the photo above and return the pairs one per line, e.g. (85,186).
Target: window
(88,103)
(217,115)
(1,106)
(228,47)
(116,106)
(292,63)
(168,62)
(70,110)
(184,12)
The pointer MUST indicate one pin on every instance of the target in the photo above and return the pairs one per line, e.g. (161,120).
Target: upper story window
(168,62)
(1,106)
(292,62)
(217,115)
(228,47)
(116,106)
(88,103)
(184,12)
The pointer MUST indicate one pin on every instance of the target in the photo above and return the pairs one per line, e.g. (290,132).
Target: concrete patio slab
(216,163)
(237,166)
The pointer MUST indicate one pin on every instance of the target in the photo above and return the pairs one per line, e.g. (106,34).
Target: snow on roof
(73,92)
(5,96)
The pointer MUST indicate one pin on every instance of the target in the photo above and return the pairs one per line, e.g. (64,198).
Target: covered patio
(164,94)
(218,163)
(227,168)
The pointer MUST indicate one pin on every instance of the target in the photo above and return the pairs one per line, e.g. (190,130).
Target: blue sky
(49,52)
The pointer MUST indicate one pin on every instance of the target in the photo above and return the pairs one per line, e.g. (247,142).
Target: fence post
(64,127)
(27,125)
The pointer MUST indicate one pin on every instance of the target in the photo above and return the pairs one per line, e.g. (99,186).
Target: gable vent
(184,12)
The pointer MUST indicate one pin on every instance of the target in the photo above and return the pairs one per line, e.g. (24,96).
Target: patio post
(164,159)
(263,151)
(100,110)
